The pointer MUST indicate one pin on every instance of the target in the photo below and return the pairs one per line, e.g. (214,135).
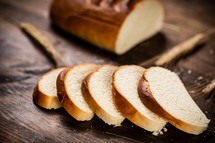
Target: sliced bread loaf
(123,23)
(163,92)
(69,93)
(45,93)
(97,90)
(126,98)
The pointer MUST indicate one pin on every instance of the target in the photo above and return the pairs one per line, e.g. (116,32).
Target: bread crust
(96,22)
(44,100)
(66,101)
(131,113)
(100,112)
(150,102)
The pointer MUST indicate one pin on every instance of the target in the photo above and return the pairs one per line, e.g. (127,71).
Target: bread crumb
(156,133)
(206,112)
(161,133)
(200,78)
(189,71)
(179,71)
(211,52)
(165,129)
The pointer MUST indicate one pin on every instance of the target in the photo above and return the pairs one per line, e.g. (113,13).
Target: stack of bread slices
(147,97)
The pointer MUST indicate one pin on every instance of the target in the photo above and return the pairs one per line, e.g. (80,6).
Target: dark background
(22,64)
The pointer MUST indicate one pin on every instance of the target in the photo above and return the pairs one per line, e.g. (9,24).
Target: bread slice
(69,93)
(163,92)
(97,90)
(45,92)
(126,98)
(113,25)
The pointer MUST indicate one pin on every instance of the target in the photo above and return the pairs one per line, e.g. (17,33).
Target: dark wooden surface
(22,64)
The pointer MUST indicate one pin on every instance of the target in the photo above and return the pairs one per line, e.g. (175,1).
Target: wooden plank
(22,64)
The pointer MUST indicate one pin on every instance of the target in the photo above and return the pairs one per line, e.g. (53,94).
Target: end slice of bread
(45,93)
(97,90)
(126,98)
(163,92)
(69,92)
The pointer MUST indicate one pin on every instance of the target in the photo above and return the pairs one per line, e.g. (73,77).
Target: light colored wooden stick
(209,87)
(43,41)
(169,57)
(180,50)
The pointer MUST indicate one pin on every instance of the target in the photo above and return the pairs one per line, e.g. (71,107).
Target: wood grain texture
(22,64)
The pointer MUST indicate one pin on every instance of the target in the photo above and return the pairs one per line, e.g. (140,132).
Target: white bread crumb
(200,78)
(156,133)
(189,71)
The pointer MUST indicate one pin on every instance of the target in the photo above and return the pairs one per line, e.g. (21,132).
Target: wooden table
(23,63)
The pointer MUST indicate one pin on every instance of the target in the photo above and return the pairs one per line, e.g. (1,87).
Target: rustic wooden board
(22,64)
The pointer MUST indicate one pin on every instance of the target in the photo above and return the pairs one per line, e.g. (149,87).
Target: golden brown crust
(106,11)
(100,112)
(103,19)
(88,97)
(41,99)
(44,100)
(60,83)
(127,109)
(66,101)
(131,113)
(150,102)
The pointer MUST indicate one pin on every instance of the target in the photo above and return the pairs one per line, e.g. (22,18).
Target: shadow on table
(139,53)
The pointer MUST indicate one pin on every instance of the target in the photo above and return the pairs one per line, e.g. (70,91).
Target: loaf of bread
(163,93)
(114,25)
(69,83)
(97,90)
(126,98)
(45,92)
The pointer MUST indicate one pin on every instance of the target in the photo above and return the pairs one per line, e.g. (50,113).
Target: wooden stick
(41,39)
(169,57)
(180,50)
(209,87)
